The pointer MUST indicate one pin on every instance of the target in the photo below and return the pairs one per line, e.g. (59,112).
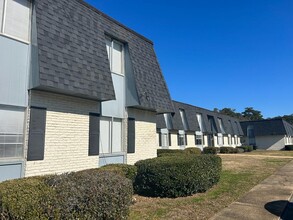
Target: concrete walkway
(271,199)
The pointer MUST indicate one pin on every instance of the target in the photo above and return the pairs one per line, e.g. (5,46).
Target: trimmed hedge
(228,150)
(29,198)
(81,195)
(168,152)
(125,170)
(210,150)
(246,148)
(192,150)
(289,147)
(176,177)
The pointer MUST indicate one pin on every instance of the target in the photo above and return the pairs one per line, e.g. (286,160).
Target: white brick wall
(146,138)
(66,137)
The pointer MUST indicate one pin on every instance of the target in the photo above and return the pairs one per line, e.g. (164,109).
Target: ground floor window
(198,138)
(110,135)
(220,140)
(182,139)
(11,133)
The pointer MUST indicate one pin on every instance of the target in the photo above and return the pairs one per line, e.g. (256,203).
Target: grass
(272,153)
(239,175)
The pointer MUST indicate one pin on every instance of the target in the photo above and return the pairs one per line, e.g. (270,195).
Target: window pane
(117,136)
(11,133)
(17,20)
(117,58)
(164,140)
(199,119)
(109,45)
(105,132)
(1,15)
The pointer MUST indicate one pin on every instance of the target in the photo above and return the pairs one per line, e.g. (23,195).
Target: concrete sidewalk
(268,200)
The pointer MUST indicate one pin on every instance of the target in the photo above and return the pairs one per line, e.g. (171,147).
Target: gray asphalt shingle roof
(268,127)
(193,123)
(72,56)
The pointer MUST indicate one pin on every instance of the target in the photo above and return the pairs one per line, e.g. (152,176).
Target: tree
(288,118)
(251,114)
(230,112)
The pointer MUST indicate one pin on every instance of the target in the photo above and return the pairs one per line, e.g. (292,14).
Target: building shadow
(280,208)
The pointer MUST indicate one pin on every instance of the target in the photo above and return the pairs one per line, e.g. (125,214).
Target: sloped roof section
(71,50)
(268,127)
(191,112)
(73,57)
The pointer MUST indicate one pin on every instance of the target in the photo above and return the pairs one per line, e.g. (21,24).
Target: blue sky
(217,54)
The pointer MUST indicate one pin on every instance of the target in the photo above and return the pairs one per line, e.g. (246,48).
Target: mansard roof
(191,111)
(268,127)
(69,54)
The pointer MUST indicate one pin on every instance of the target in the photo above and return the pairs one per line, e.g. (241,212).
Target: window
(111,135)
(221,125)
(168,120)
(199,119)
(181,140)
(15,18)
(250,135)
(229,140)
(212,124)
(11,133)
(220,139)
(184,119)
(198,138)
(164,138)
(115,55)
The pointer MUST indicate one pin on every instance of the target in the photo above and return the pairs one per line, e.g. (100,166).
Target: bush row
(246,148)
(228,150)
(89,194)
(289,147)
(175,152)
(183,176)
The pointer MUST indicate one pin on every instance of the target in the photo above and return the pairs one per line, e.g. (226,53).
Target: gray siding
(14,72)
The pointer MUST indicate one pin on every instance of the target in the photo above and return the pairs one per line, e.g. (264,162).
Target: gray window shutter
(131,136)
(37,127)
(94,134)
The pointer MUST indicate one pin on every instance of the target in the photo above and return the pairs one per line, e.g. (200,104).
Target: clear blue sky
(216,54)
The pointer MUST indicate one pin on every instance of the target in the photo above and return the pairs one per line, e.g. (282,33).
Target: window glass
(184,119)
(221,125)
(198,139)
(11,133)
(168,120)
(1,13)
(117,58)
(105,134)
(109,45)
(117,135)
(199,119)
(17,19)
(164,140)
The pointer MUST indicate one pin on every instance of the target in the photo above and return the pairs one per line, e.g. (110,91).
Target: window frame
(110,147)
(3,24)
(110,56)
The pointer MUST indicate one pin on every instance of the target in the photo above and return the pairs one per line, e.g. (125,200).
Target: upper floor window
(184,119)
(168,120)
(212,124)
(115,51)
(221,125)
(15,19)
(199,119)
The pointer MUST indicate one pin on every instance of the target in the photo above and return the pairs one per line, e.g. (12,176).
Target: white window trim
(2,31)
(111,56)
(112,136)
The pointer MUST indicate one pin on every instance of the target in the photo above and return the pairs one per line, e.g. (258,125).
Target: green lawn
(239,175)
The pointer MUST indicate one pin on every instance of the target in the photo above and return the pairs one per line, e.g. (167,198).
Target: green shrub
(168,152)
(240,150)
(82,195)
(192,150)
(28,198)
(246,148)
(125,170)
(210,150)
(228,150)
(92,194)
(289,147)
(175,177)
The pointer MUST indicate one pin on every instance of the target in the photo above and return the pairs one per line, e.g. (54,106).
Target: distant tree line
(250,114)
